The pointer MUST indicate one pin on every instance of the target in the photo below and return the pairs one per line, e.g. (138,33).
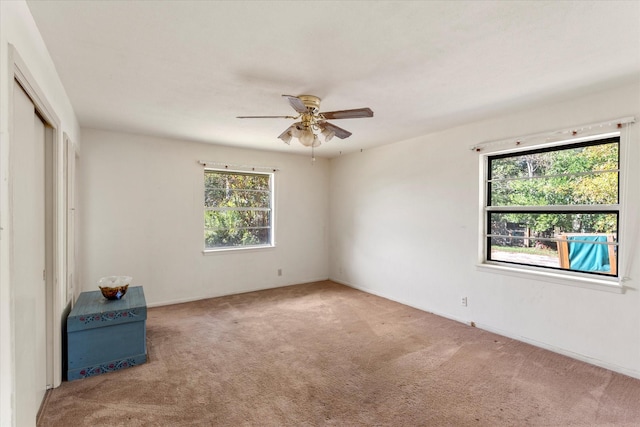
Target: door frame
(57,299)
(70,170)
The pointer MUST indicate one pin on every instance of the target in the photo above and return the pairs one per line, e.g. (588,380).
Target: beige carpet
(323,354)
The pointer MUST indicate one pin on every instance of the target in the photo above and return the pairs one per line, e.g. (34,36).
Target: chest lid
(92,310)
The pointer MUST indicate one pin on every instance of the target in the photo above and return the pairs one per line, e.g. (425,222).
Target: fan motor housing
(311,102)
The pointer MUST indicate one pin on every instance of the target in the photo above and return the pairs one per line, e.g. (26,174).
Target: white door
(27,169)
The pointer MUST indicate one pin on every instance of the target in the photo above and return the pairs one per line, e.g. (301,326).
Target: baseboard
(403,302)
(581,357)
(224,294)
(596,362)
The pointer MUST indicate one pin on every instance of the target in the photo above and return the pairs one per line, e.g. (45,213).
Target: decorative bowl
(114,287)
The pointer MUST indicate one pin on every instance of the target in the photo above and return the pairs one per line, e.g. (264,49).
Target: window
(238,209)
(555,207)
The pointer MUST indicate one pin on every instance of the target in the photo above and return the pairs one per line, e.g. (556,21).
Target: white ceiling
(186,69)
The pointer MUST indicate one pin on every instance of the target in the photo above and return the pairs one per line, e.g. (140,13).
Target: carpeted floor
(323,354)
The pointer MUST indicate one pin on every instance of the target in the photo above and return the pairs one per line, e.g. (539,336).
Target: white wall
(18,29)
(142,215)
(404,225)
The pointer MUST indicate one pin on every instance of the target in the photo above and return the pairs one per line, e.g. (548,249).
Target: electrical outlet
(463,301)
(279,272)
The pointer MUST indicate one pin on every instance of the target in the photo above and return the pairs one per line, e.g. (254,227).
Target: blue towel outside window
(589,256)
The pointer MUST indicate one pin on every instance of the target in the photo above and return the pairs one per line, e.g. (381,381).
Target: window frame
(270,209)
(594,280)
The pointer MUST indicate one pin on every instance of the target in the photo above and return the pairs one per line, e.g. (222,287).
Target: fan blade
(265,117)
(340,133)
(348,114)
(296,103)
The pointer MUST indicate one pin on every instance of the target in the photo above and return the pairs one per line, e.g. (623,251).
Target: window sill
(219,251)
(605,284)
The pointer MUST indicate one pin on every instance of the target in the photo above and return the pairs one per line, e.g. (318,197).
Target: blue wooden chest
(106,335)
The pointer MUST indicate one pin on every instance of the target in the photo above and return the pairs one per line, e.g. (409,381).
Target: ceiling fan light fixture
(286,137)
(328,134)
(312,122)
(307,138)
(296,131)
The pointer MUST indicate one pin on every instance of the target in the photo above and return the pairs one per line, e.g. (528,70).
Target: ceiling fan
(312,122)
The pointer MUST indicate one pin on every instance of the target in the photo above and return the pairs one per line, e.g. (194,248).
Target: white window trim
(604,130)
(238,249)
(257,170)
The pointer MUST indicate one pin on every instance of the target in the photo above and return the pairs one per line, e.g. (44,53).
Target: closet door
(27,171)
